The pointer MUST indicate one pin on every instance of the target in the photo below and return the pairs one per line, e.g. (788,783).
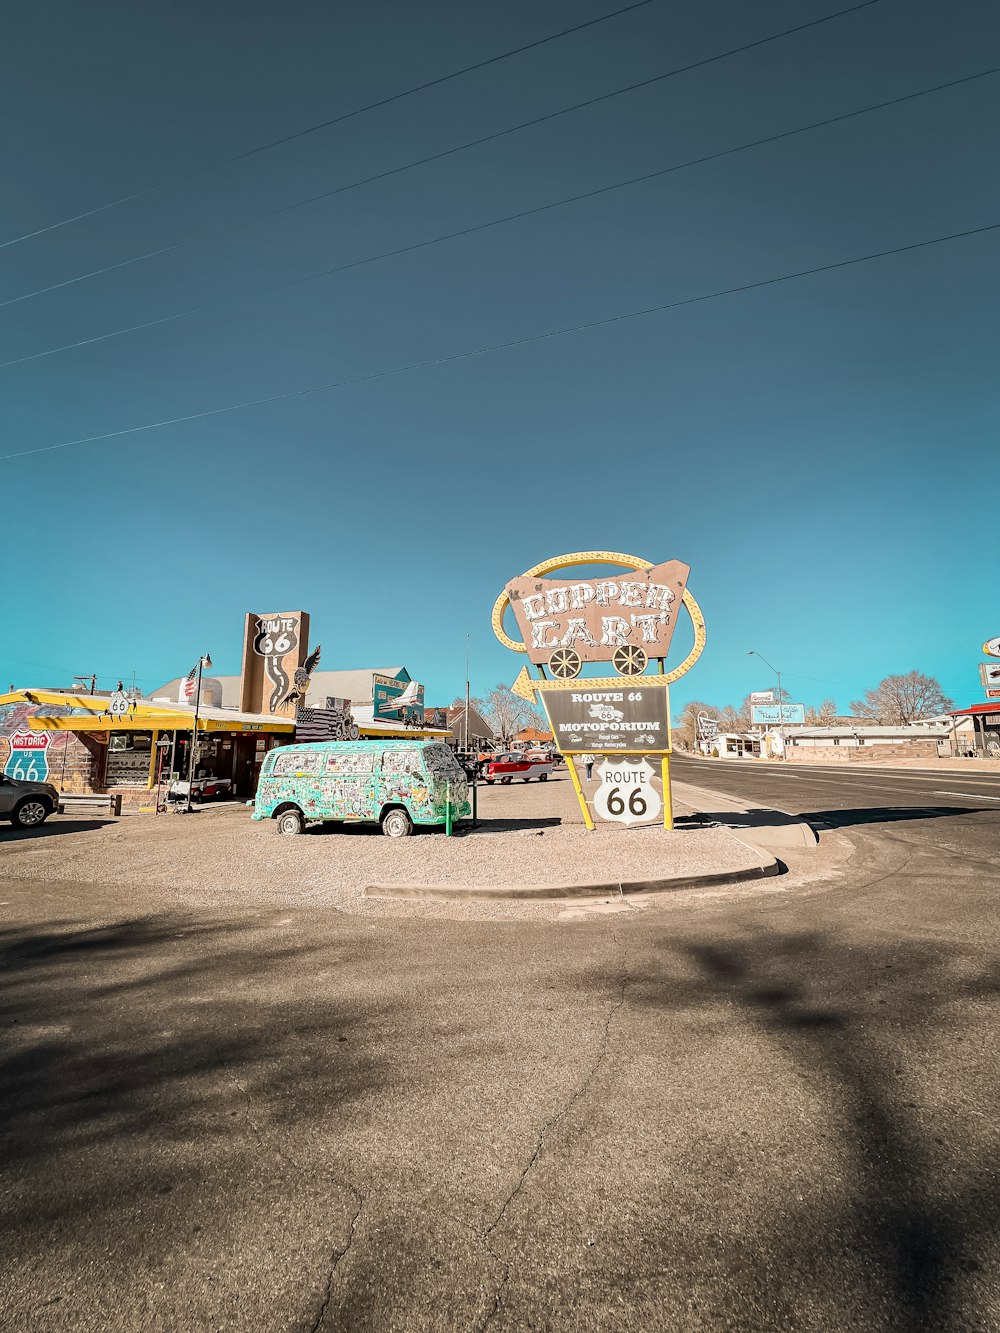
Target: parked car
(203,789)
(515,764)
(395,783)
(27,804)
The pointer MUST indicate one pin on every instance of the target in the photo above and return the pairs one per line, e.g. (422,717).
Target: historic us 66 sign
(626,794)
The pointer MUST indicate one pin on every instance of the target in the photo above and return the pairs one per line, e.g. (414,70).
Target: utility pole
(752,653)
(466,745)
(203,662)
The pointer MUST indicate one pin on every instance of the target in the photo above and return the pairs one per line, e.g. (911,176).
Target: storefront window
(127,761)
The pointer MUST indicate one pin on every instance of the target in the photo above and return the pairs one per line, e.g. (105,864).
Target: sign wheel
(630,660)
(565,664)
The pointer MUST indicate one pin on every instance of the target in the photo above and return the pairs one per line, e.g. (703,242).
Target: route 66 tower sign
(626,621)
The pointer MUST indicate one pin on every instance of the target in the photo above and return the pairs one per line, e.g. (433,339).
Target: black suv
(27,804)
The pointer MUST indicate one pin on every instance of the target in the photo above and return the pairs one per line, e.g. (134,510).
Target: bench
(96,803)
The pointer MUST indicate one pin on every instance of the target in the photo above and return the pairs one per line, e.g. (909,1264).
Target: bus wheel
(290,821)
(397,824)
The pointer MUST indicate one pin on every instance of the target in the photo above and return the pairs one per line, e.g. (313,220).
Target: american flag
(318,724)
(190,680)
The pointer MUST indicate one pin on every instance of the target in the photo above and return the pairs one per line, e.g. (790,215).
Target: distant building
(868,742)
(479,733)
(530,737)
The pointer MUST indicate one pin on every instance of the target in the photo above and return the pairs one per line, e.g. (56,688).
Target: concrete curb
(784,833)
(766,867)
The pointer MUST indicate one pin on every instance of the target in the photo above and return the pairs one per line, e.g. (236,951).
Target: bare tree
(823,716)
(507,712)
(686,725)
(898,700)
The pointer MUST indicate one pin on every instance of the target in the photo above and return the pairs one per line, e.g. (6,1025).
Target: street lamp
(204,664)
(753,653)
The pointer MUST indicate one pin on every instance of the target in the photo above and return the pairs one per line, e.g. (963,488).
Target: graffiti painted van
(397,784)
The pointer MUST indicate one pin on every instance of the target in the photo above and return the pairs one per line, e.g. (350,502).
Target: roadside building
(75,742)
(980,726)
(732,745)
(113,744)
(530,738)
(472,734)
(867,743)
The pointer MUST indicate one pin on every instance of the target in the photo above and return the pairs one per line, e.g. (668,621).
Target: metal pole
(466,745)
(194,738)
(668,800)
(575,779)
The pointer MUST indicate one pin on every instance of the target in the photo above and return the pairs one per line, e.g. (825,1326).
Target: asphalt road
(768,1108)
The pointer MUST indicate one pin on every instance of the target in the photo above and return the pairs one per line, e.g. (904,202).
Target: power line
(505,346)
(433,157)
(326,124)
(496,222)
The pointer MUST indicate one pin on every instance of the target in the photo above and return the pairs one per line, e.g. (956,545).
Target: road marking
(795,772)
(850,783)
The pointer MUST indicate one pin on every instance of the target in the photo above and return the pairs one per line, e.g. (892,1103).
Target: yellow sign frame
(526,687)
(524,681)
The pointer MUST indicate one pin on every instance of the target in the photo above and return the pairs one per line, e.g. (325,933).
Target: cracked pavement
(769,1106)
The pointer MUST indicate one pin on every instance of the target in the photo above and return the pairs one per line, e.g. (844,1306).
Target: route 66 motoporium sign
(629,720)
(626,794)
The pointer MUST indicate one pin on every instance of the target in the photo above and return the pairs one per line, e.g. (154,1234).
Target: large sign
(989,674)
(386,690)
(599,620)
(28,759)
(708,727)
(992,647)
(275,645)
(626,794)
(628,720)
(624,619)
(770,715)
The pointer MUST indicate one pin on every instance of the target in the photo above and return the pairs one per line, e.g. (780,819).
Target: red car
(506,767)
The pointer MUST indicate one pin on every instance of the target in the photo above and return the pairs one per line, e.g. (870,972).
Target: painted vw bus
(395,783)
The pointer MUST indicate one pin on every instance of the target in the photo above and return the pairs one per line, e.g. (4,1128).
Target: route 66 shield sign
(626,794)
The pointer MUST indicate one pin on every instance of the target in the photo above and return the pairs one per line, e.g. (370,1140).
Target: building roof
(355,685)
(992,707)
(915,730)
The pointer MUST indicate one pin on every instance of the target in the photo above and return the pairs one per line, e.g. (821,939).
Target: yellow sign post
(627,621)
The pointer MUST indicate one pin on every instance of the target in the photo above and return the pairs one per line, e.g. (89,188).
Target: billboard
(769,715)
(989,674)
(609,721)
(386,690)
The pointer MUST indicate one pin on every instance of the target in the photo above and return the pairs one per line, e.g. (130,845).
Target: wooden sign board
(596,616)
(273,646)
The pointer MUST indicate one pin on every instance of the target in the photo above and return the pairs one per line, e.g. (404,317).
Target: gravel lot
(530,834)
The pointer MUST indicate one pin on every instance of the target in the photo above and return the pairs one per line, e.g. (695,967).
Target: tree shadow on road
(857,1023)
(762,816)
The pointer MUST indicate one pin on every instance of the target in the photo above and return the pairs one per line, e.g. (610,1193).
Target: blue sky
(822,452)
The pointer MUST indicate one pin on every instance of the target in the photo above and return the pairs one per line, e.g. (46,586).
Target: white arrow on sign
(626,794)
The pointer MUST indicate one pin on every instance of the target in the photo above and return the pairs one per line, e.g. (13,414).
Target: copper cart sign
(625,619)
